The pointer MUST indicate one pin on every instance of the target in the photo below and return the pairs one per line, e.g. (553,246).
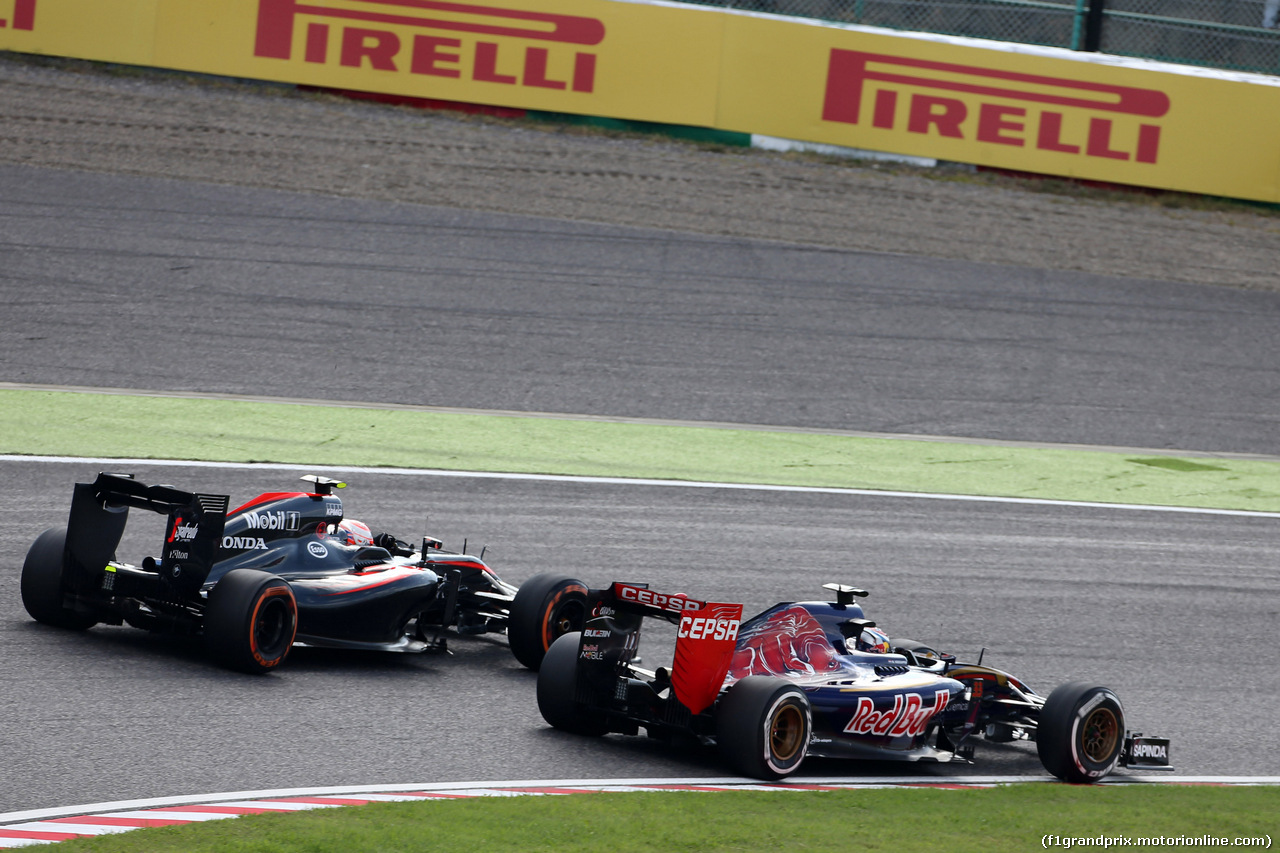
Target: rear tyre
(251,621)
(547,606)
(42,587)
(557,684)
(763,726)
(1081,732)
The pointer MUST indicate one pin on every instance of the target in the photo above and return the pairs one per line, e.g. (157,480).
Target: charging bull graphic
(790,641)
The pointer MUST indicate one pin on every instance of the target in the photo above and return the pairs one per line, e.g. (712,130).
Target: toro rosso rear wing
(705,642)
(100,509)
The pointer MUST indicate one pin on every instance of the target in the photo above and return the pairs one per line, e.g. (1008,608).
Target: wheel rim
(273,629)
(786,733)
(1099,735)
(566,616)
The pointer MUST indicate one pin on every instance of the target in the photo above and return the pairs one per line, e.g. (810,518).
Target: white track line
(279,798)
(46,826)
(118,464)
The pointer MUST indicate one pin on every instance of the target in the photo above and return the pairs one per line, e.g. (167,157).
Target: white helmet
(352,532)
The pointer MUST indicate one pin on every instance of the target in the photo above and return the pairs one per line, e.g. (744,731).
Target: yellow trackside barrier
(1037,110)
(1006,106)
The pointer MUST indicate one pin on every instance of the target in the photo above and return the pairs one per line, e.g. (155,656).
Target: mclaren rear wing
(705,641)
(99,511)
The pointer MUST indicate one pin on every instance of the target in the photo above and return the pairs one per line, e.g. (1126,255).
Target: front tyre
(251,621)
(763,726)
(557,684)
(1081,732)
(42,587)
(546,606)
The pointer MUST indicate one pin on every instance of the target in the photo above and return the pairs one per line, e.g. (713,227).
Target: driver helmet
(352,532)
(873,640)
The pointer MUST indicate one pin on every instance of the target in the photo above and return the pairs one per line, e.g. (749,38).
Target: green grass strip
(1011,818)
(77,424)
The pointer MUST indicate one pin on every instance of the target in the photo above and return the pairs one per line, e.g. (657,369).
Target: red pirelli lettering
(995,123)
(848,70)
(1148,143)
(433,55)
(347,28)
(1099,144)
(1030,110)
(317,42)
(1050,135)
(24,15)
(486,65)
(276,20)
(584,72)
(535,70)
(942,114)
(378,46)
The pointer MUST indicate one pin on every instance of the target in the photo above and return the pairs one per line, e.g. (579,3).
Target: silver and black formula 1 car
(284,568)
(817,678)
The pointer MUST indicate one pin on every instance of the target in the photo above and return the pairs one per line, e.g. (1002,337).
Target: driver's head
(352,532)
(873,640)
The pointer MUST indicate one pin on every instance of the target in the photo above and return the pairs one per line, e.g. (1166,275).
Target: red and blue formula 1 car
(285,568)
(817,678)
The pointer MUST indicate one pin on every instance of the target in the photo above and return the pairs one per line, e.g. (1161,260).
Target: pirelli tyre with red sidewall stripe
(251,621)
(546,607)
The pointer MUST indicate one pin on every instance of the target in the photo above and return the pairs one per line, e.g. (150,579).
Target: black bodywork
(386,596)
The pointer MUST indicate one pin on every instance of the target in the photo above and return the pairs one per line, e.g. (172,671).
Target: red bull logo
(991,105)
(23,17)
(907,717)
(438,39)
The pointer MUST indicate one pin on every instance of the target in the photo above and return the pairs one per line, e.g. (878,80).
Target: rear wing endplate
(705,641)
(99,511)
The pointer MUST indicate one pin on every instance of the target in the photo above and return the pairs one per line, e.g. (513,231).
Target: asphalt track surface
(124,282)
(152,284)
